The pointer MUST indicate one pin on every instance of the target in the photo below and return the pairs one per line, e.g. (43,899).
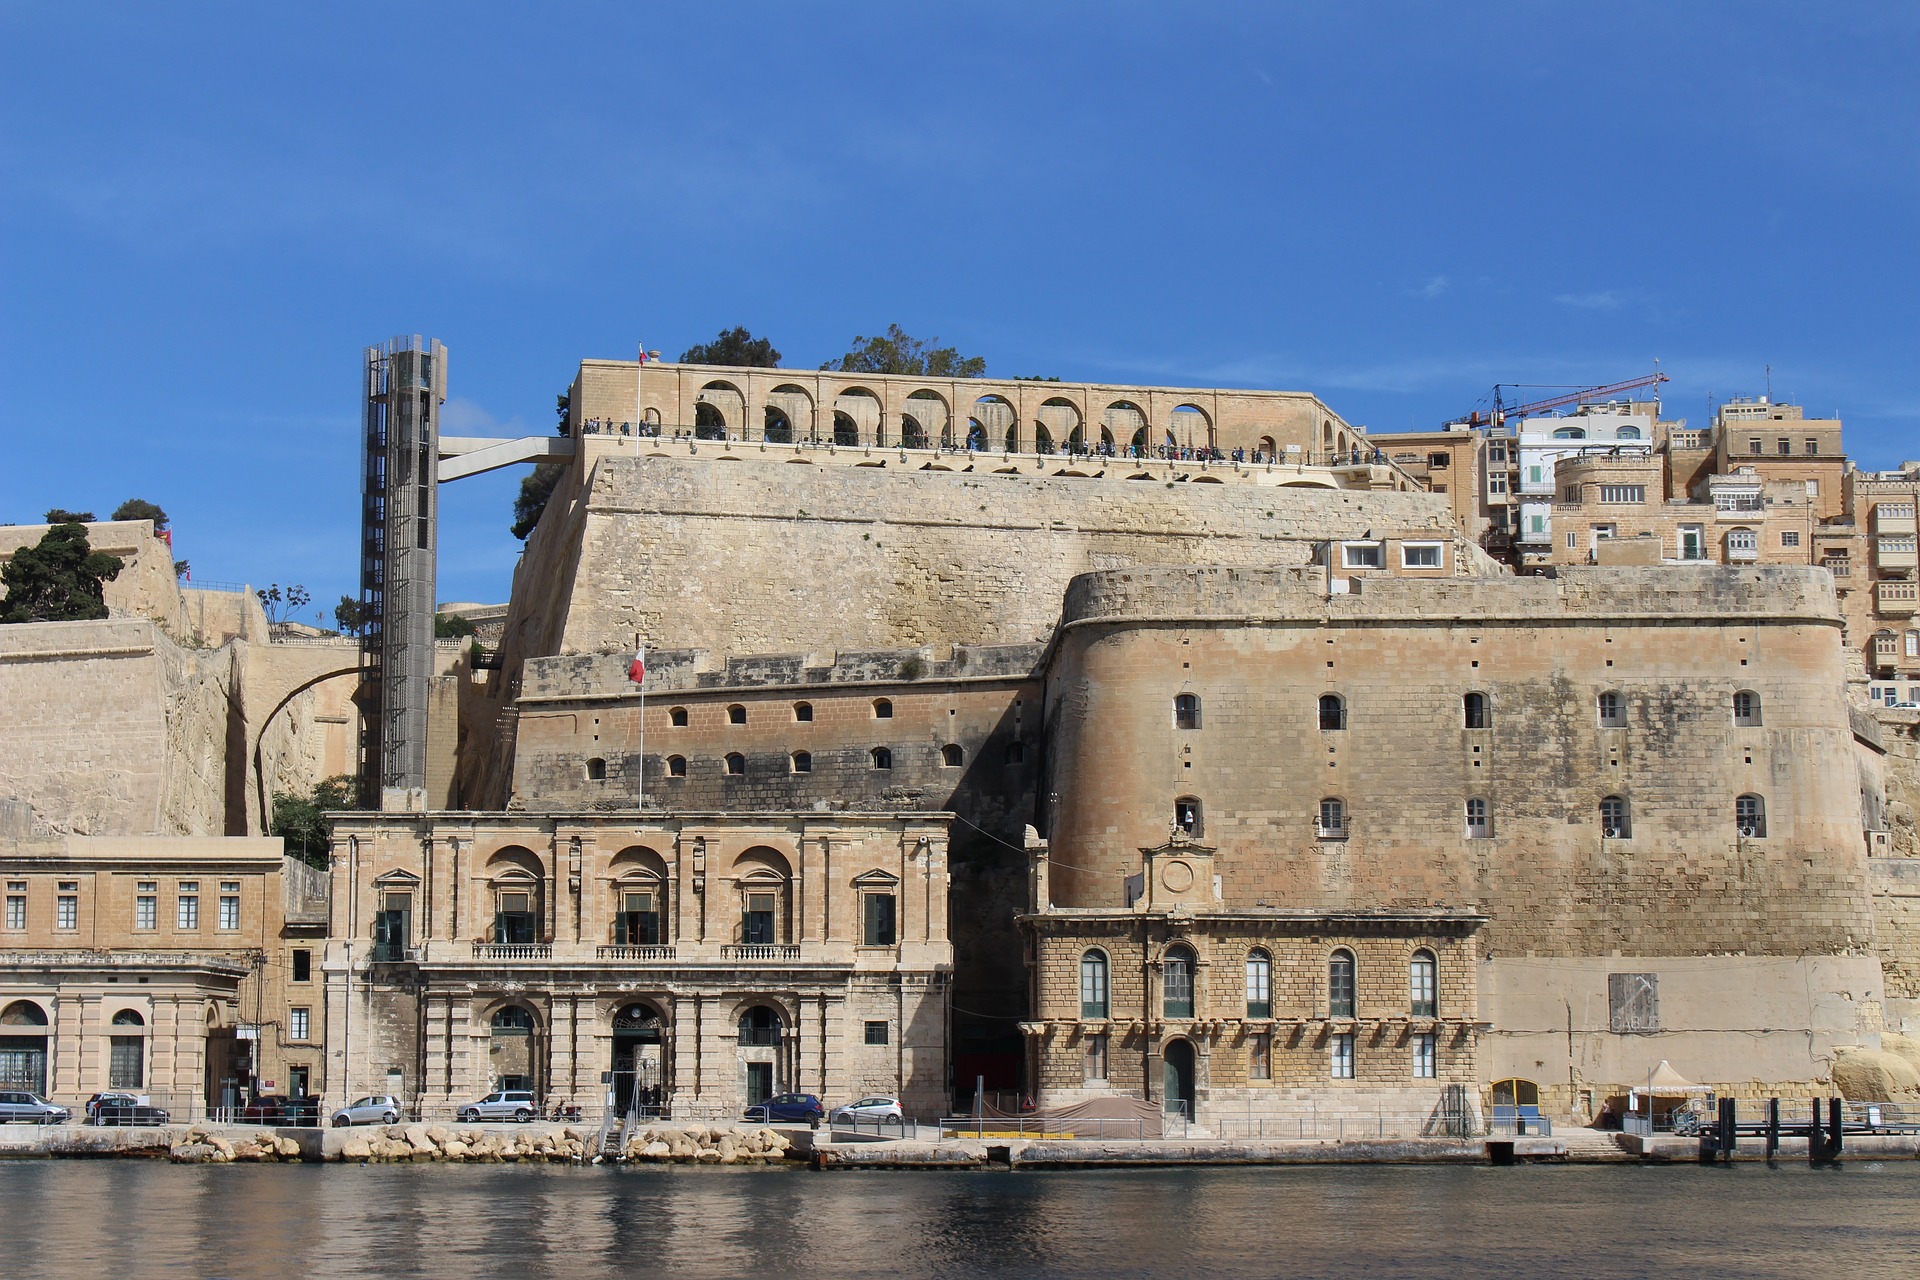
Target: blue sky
(207,210)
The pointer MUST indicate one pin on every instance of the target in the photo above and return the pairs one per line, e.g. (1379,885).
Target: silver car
(878,1109)
(32,1108)
(381,1108)
(502,1104)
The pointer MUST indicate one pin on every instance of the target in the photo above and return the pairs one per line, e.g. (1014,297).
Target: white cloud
(1604,300)
(1432,288)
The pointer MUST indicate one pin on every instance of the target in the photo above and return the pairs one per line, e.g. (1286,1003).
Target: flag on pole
(637,669)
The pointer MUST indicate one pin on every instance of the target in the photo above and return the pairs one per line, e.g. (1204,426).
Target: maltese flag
(637,669)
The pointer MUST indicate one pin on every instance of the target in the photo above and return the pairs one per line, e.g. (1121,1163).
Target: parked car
(30,1108)
(381,1108)
(788,1107)
(502,1104)
(116,1098)
(877,1109)
(118,1114)
(271,1108)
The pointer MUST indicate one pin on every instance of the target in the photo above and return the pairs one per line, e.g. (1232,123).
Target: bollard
(1773,1127)
(1834,1128)
(1816,1140)
(1729,1131)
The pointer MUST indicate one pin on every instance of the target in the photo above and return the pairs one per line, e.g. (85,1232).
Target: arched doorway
(762,1036)
(1178,1078)
(1515,1101)
(23,1047)
(639,1060)
(513,1050)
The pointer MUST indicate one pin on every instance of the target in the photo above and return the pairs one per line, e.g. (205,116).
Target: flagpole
(641,798)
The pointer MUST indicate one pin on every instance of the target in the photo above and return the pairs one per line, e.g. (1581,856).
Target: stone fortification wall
(1259,649)
(743,557)
(145,586)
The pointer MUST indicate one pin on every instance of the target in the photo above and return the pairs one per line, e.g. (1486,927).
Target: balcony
(1894,553)
(1896,598)
(634,953)
(513,951)
(1894,518)
(760,951)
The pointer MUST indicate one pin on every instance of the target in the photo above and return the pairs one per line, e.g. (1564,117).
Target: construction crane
(1502,411)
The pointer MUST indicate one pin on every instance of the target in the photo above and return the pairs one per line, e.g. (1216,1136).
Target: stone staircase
(1590,1144)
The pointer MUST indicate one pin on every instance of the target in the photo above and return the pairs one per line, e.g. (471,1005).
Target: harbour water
(123,1220)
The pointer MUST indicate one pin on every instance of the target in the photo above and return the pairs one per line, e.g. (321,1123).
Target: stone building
(698,961)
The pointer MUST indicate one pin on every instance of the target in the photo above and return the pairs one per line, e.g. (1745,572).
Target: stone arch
(929,408)
(763,882)
(999,420)
(24,1013)
(1063,422)
(913,433)
(795,406)
(515,1037)
(1123,420)
(637,861)
(1042,440)
(1264,451)
(864,422)
(516,886)
(1192,426)
(719,409)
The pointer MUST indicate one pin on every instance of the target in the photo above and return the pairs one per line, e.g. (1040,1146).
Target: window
(514,920)
(1259,985)
(1570,493)
(126,1060)
(736,765)
(1333,820)
(1616,823)
(1176,977)
(1096,1063)
(756,925)
(1420,555)
(1789,537)
(1750,814)
(1342,1053)
(298,1027)
(302,965)
(188,913)
(1496,453)
(1573,540)
(676,766)
(229,904)
(876,1033)
(1913,644)
(1783,447)
(803,762)
(736,714)
(1496,484)
(1602,532)
(1627,433)
(882,758)
(16,904)
(1360,555)
(877,911)
(882,709)
(760,1026)
(1093,985)
(639,922)
(1693,542)
(803,712)
(1439,460)
(66,906)
(1613,710)
(1186,711)
(1754,447)
(952,756)
(1333,712)
(1813,445)
(1570,433)
(1340,984)
(1632,493)
(1187,817)
(1479,825)
(1474,708)
(1422,984)
(1260,1056)
(1746,708)
(1743,542)
(146,905)
(1425,1059)
(596,770)
(1016,753)
(677,717)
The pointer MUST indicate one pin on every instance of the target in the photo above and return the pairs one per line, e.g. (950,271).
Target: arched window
(1616,820)
(760,1026)
(1746,709)
(1333,712)
(1750,815)
(596,770)
(1475,710)
(129,1018)
(1176,983)
(1259,984)
(736,714)
(736,765)
(1570,433)
(677,717)
(1186,711)
(882,758)
(1332,823)
(882,709)
(1627,433)
(1423,984)
(1093,985)
(1612,708)
(802,762)
(1479,821)
(127,1052)
(1187,816)
(952,756)
(676,766)
(513,1020)
(803,712)
(1340,984)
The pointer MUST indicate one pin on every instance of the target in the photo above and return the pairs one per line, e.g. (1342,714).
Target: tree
(451,626)
(898,352)
(60,579)
(141,509)
(60,515)
(281,602)
(736,347)
(537,487)
(301,820)
(351,616)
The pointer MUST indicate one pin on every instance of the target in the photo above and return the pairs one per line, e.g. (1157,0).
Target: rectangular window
(1754,446)
(298,1024)
(146,905)
(1813,444)
(1260,1056)
(1633,1001)
(1342,1050)
(1789,538)
(66,907)
(187,916)
(1571,493)
(16,904)
(1535,474)
(1420,555)
(1496,484)
(126,1062)
(758,930)
(1573,540)
(1479,826)
(876,1033)
(229,904)
(1496,453)
(1783,447)
(639,922)
(303,966)
(1425,1057)
(1623,493)
(879,915)
(1360,555)
(1096,1066)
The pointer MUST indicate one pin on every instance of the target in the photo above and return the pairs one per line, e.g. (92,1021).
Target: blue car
(789,1107)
